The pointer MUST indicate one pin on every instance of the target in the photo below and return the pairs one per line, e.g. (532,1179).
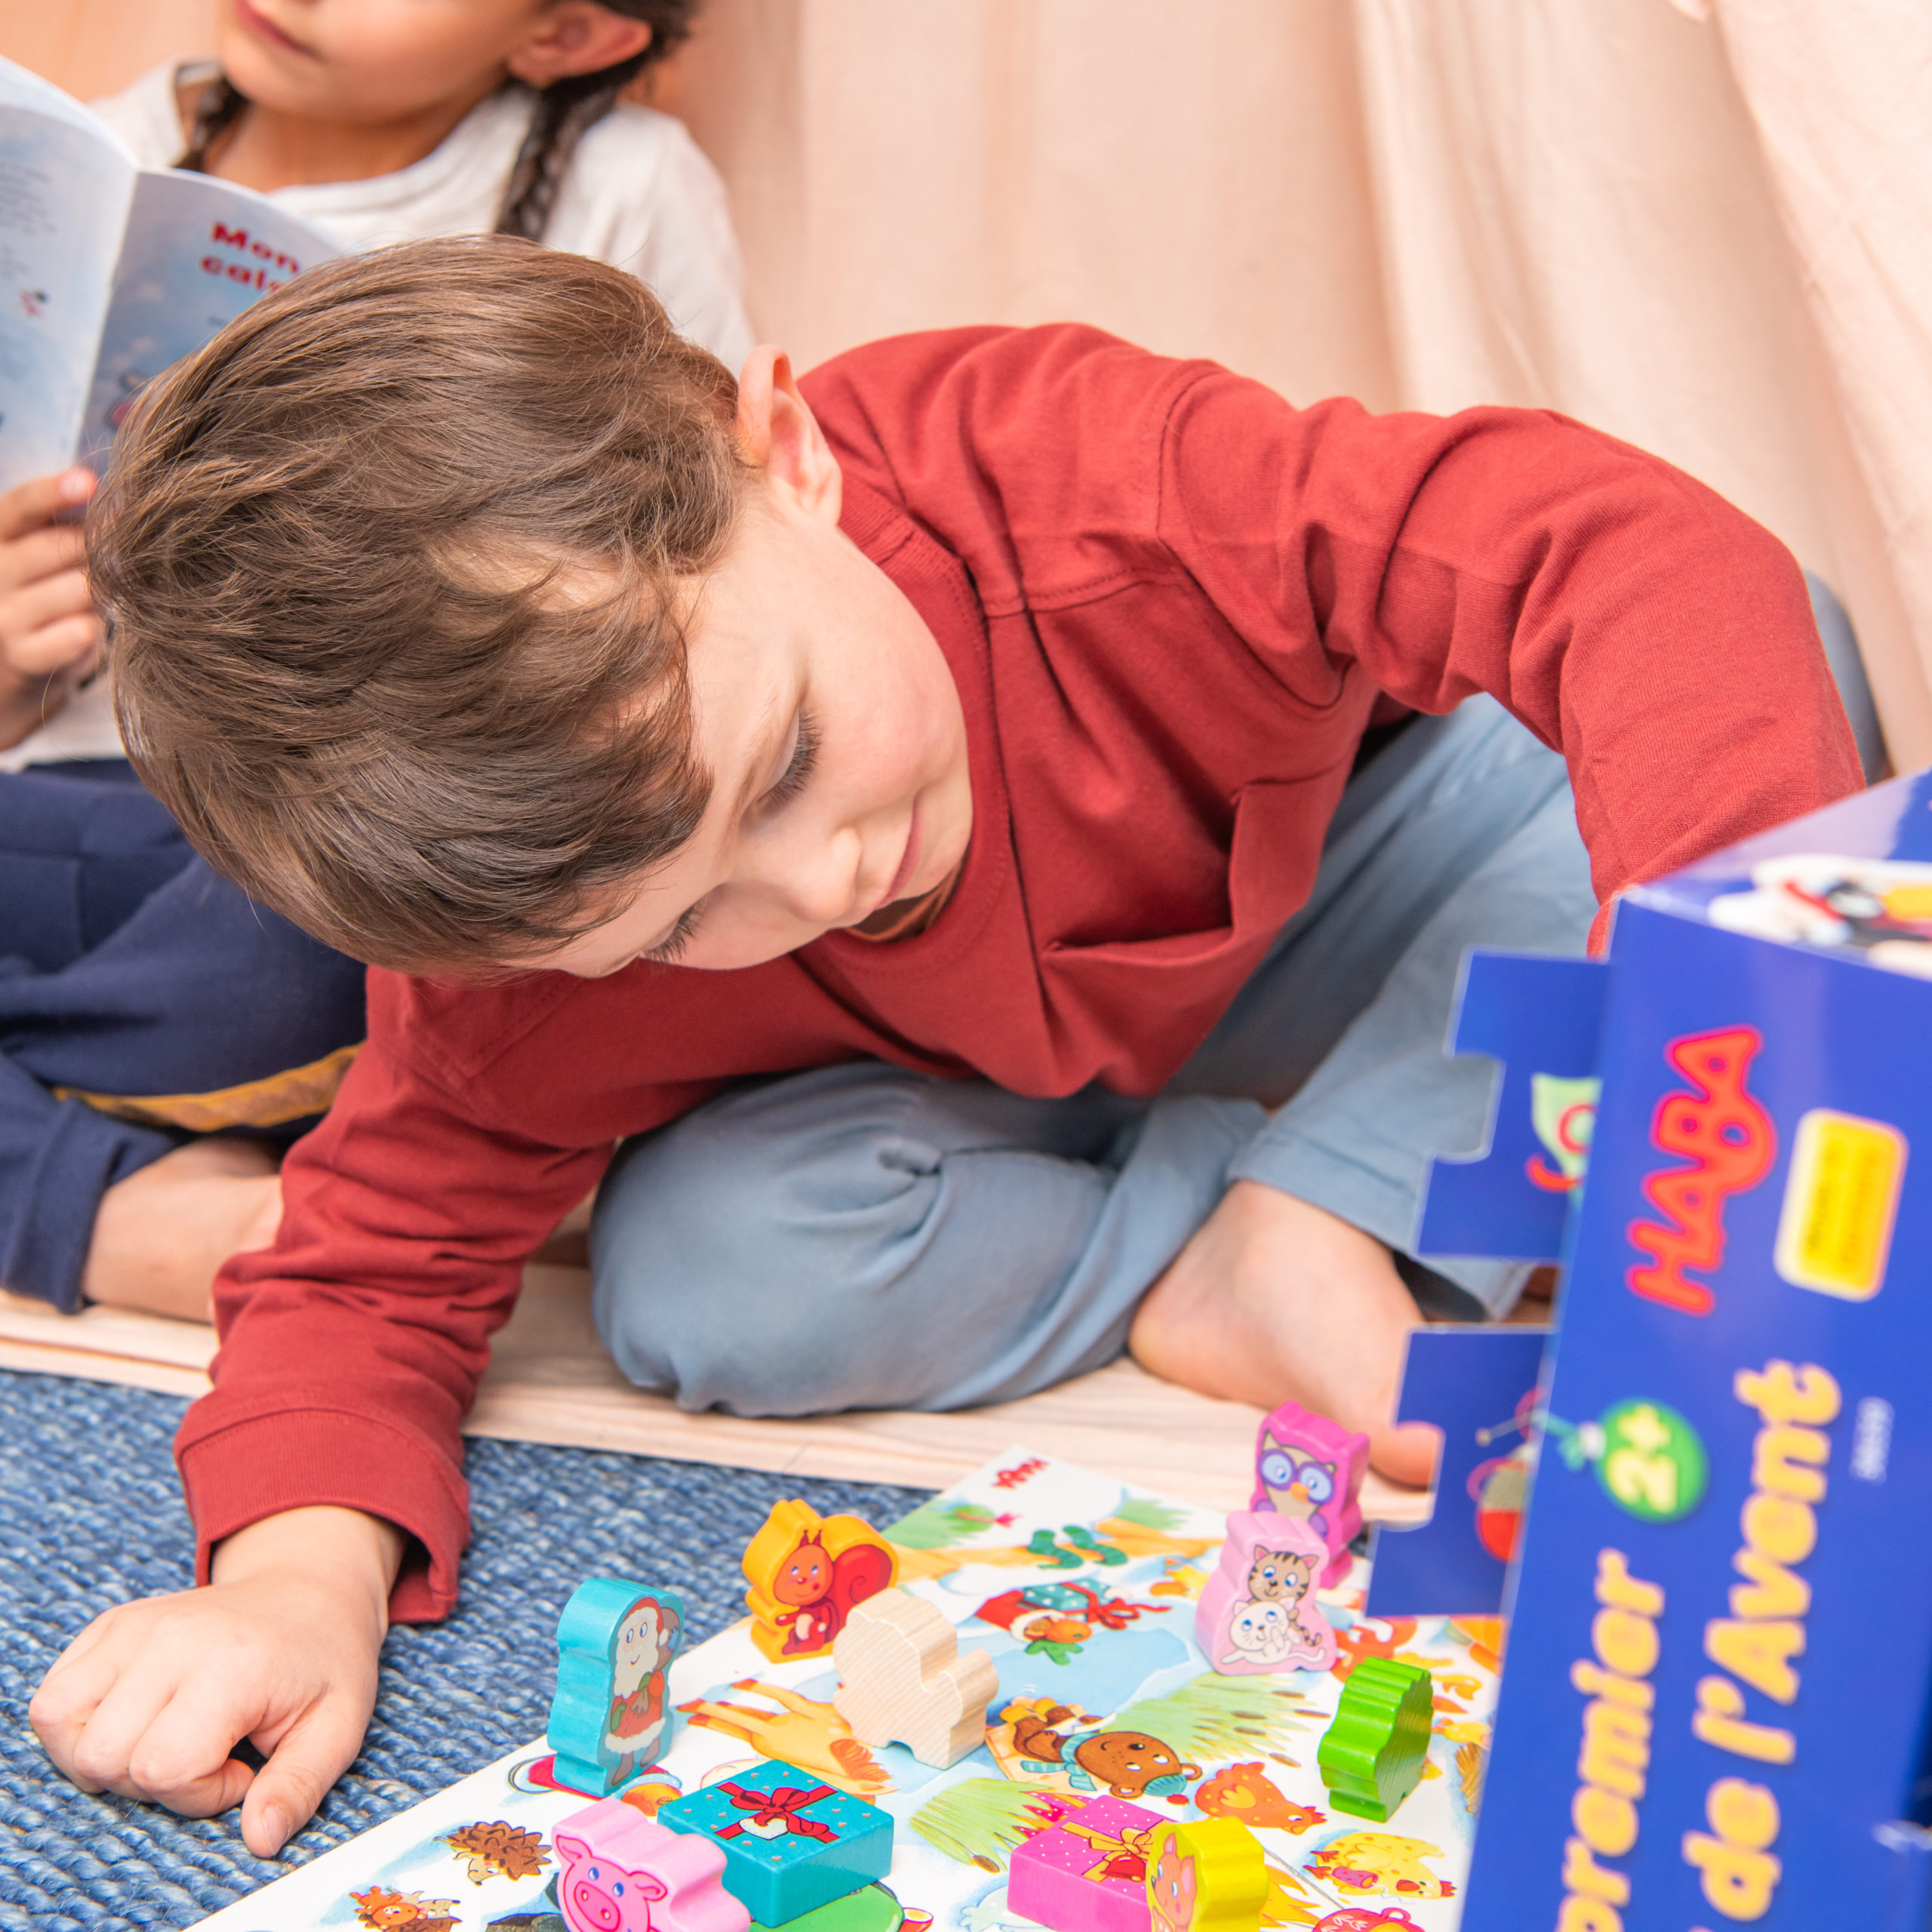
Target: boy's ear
(778,433)
(576,37)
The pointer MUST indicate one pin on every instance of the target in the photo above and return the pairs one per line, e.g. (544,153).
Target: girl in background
(148,1007)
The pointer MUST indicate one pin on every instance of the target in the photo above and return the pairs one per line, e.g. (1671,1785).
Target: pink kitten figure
(624,1872)
(1308,1467)
(1257,1613)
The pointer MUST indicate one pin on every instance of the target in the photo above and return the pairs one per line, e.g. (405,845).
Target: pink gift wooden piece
(1088,1873)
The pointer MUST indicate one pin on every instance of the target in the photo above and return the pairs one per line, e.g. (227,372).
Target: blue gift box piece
(792,1843)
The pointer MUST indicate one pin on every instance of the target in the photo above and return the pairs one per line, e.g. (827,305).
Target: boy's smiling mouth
(909,862)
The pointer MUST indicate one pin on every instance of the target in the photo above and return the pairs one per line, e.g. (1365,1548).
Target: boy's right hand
(50,632)
(281,1648)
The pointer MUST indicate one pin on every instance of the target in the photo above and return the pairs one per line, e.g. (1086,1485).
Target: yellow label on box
(1836,1231)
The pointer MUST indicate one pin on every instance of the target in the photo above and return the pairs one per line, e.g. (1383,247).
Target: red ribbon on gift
(772,1807)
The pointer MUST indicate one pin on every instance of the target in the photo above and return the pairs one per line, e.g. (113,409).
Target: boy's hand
(49,633)
(280,1648)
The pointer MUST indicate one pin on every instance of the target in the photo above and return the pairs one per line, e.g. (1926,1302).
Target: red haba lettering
(213,265)
(1687,1196)
(1729,1137)
(234,238)
(1663,1280)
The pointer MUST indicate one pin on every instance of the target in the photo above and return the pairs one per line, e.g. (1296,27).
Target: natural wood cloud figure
(904,1681)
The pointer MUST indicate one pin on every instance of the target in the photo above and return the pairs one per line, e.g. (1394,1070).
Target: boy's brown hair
(394,570)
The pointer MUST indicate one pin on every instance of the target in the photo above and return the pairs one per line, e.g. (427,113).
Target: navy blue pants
(133,974)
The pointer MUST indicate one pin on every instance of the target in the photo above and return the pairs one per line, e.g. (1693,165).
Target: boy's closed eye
(789,782)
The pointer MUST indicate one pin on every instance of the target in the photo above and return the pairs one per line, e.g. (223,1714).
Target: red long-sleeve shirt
(1170,600)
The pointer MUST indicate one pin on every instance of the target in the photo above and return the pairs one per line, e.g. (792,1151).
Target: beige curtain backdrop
(1700,224)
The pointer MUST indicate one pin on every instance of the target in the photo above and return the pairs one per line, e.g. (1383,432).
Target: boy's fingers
(168,1743)
(25,560)
(66,1698)
(100,1748)
(28,506)
(182,1760)
(313,1753)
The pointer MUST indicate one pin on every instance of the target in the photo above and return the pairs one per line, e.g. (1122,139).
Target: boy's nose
(821,885)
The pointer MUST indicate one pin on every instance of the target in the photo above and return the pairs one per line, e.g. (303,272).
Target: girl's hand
(49,633)
(280,1648)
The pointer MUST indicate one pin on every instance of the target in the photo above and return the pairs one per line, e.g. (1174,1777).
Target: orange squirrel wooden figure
(806,1572)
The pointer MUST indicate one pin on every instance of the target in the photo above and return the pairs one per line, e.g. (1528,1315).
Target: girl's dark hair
(565,110)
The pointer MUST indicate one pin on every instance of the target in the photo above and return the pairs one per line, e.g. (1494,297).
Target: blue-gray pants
(863,1237)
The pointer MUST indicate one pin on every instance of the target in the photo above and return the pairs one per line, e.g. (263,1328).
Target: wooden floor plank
(550,1381)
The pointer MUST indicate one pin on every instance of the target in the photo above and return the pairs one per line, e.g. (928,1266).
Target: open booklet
(109,272)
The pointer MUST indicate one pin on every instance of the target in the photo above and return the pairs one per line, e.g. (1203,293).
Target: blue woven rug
(90,1514)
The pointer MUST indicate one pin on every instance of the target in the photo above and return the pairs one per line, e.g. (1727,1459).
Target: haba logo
(1729,1141)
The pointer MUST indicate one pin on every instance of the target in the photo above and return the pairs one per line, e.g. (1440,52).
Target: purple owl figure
(1311,1468)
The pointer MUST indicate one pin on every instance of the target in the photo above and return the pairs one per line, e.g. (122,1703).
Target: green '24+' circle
(1652,1464)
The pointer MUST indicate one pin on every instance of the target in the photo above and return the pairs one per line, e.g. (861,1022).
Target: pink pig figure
(618,1865)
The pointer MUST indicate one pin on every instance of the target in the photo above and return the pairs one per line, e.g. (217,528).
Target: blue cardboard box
(1715,1701)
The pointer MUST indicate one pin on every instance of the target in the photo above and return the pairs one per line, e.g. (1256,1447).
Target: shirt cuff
(241,1472)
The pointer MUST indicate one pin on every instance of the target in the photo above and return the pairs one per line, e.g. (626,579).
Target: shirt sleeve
(1630,618)
(351,1351)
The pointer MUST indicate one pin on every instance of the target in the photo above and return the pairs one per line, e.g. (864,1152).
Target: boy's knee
(717,1243)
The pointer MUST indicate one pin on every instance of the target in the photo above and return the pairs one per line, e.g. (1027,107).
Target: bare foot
(161,1235)
(1274,1299)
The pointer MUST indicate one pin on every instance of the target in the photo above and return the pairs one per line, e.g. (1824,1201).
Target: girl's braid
(566,110)
(218,109)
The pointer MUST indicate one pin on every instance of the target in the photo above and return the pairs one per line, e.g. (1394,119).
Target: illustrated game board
(1083,1590)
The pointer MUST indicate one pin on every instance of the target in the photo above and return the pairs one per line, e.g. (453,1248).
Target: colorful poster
(1083,1591)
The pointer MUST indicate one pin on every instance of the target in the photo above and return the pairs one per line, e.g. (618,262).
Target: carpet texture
(90,1514)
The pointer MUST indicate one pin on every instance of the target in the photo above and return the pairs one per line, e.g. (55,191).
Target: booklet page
(65,183)
(197,252)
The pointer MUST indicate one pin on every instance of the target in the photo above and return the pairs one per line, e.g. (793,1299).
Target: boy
(1000,707)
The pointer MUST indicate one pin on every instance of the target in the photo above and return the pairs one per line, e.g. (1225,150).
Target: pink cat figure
(1307,1466)
(1257,1613)
(621,1872)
